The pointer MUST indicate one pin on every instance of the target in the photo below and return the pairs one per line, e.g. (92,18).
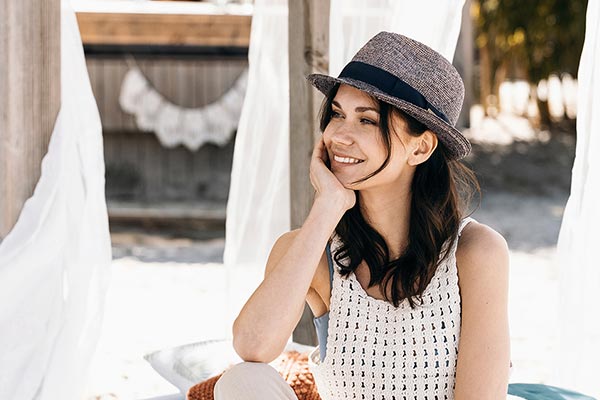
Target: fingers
(319,164)
(319,151)
(318,148)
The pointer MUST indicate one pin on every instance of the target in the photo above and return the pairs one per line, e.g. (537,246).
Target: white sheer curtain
(54,264)
(578,258)
(353,22)
(258,208)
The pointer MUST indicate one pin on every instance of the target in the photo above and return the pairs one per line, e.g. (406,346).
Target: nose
(341,134)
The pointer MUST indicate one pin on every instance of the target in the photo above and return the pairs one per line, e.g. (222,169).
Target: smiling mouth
(347,160)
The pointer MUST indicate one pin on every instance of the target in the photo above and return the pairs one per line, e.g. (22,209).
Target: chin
(344,179)
(347,183)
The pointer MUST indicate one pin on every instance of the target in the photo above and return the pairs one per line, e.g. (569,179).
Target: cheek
(327,141)
(326,136)
(396,157)
(398,163)
(378,141)
(328,132)
(378,148)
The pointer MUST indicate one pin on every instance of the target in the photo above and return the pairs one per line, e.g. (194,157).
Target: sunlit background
(170,87)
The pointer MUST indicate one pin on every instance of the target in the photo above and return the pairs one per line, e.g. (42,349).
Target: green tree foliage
(528,39)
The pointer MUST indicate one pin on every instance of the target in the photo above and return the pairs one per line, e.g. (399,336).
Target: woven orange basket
(291,365)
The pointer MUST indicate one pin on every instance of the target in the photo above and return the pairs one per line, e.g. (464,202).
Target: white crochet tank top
(378,352)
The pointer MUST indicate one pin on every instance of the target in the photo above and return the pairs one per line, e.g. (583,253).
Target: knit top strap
(330,263)
(465,221)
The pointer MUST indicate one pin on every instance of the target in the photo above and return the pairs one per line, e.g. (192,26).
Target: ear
(423,147)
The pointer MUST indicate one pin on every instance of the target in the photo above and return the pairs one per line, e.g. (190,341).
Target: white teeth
(346,160)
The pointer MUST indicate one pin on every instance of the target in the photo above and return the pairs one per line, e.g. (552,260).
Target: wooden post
(464,59)
(29,98)
(308,53)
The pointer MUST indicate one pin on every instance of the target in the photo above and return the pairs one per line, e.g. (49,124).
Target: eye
(367,121)
(335,114)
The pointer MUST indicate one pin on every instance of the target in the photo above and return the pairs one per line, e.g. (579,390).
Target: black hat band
(388,84)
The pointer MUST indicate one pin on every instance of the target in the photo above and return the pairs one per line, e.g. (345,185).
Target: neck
(389,213)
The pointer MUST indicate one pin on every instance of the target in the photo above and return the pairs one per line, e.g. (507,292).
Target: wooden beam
(308,53)
(29,98)
(164,23)
(464,61)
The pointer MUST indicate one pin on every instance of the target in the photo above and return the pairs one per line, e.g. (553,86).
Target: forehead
(351,96)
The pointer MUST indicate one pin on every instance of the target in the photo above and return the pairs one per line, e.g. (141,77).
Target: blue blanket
(543,392)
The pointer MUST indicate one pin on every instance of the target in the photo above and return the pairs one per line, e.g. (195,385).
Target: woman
(411,296)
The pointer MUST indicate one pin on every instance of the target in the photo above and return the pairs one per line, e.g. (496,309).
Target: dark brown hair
(442,190)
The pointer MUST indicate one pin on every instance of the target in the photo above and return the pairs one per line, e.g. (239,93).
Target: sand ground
(170,291)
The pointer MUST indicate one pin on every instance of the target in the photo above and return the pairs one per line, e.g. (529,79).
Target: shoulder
(482,255)
(478,243)
(287,237)
(484,349)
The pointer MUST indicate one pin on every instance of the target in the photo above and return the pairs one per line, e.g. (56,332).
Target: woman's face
(354,143)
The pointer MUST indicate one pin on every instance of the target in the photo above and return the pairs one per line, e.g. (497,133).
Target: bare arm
(484,349)
(268,318)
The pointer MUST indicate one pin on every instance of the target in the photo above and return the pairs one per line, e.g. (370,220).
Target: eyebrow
(357,109)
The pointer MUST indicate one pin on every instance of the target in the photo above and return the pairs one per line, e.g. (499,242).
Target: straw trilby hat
(412,77)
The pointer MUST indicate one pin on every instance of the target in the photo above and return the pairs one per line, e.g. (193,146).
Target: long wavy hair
(442,190)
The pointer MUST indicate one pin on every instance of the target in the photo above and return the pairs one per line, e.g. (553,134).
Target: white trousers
(253,381)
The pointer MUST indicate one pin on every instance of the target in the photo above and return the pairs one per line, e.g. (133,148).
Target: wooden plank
(96,80)
(184,82)
(308,53)
(127,119)
(111,80)
(159,155)
(164,29)
(167,210)
(29,98)
(200,219)
(192,80)
(179,157)
(149,155)
(204,77)
(213,84)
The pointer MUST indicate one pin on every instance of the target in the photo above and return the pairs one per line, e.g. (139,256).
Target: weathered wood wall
(138,167)
(29,98)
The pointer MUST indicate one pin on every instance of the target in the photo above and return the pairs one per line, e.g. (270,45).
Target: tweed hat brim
(456,144)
